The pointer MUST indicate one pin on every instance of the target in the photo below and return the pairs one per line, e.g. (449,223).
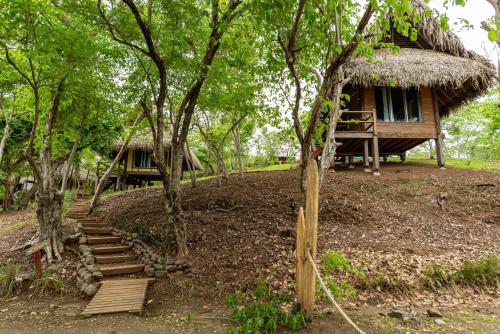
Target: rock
(434,313)
(97,274)
(161,260)
(170,261)
(130,243)
(82,240)
(87,277)
(135,235)
(89,260)
(33,313)
(84,285)
(81,271)
(171,268)
(90,290)
(92,268)
(439,321)
(179,262)
(137,251)
(4,310)
(53,306)
(28,277)
(398,314)
(150,271)
(159,266)
(129,239)
(79,282)
(154,257)
(160,273)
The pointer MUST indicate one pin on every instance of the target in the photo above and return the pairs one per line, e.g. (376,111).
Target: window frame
(388,106)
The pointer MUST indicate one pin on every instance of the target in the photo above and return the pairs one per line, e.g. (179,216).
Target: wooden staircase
(112,259)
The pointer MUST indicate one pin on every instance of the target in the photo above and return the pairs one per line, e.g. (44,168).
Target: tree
(54,55)
(193,33)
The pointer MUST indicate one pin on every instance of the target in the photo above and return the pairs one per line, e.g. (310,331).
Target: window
(142,159)
(398,105)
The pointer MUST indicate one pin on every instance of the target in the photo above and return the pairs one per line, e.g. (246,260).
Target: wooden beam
(439,139)
(366,160)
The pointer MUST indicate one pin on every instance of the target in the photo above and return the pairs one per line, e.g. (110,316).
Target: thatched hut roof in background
(437,59)
(143,140)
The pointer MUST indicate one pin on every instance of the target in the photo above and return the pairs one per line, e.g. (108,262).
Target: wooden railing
(367,122)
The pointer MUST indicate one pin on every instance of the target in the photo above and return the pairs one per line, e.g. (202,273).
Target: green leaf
(492,35)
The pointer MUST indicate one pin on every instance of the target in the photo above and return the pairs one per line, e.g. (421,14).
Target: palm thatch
(143,140)
(441,61)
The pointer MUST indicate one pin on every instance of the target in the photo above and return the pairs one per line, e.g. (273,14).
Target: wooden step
(87,219)
(110,249)
(76,216)
(97,230)
(93,224)
(115,258)
(120,269)
(103,240)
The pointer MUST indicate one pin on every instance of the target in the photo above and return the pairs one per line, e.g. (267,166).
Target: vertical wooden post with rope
(307,232)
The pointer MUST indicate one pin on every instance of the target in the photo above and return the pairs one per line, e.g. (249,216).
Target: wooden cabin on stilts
(137,167)
(398,98)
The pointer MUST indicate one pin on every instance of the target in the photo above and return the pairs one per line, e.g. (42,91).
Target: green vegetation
(270,168)
(50,281)
(464,163)
(261,312)
(381,282)
(8,283)
(477,272)
(334,263)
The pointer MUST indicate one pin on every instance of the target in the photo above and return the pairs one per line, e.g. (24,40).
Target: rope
(325,289)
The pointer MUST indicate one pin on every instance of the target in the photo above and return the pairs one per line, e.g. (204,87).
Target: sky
(475,39)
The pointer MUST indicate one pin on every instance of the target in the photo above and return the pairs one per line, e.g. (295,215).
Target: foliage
(476,272)
(474,130)
(261,312)
(51,280)
(8,274)
(335,263)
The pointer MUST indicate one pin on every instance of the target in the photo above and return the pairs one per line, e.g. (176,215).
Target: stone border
(88,274)
(155,265)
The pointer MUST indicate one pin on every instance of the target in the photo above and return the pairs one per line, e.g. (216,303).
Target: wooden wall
(425,129)
(134,170)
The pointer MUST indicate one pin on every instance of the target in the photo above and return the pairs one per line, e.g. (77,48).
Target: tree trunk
(237,146)
(24,202)
(172,196)
(192,168)
(6,195)
(49,216)
(6,133)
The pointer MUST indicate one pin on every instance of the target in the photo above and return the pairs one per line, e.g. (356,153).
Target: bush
(481,271)
(335,263)
(8,283)
(260,312)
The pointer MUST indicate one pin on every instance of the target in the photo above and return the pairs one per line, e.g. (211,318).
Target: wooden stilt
(375,156)
(351,161)
(439,139)
(366,156)
(385,159)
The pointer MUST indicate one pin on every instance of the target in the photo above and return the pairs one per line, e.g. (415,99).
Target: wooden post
(351,161)
(306,241)
(375,153)
(366,156)
(37,261)
(439,139)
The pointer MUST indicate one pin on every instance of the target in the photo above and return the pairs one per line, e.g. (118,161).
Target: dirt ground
(394,225)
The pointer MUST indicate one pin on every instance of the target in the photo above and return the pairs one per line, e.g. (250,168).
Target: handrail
(369,123)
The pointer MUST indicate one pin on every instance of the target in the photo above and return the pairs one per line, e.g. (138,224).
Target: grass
(8,283)
(261,312)
(478,272)
(16,226)
(477,164)
(271,168)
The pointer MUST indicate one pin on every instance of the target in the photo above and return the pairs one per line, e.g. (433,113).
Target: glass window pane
(398,105)
(137,158)
(412,105)
(380,105)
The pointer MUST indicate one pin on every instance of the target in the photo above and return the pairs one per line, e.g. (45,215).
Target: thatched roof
(438,59)
(143,140)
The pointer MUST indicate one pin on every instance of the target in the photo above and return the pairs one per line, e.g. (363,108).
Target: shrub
(260,312)
(382,282)
(8,283)
(483,271)
(335,263)
(50,281)
(435,277)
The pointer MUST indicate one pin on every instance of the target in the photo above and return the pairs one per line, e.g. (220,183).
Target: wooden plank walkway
(120,295)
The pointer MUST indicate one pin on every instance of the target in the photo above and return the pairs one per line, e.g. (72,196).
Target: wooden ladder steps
(115,258)
(97,230)
(119,295)
(103,240)
(109,249)
(93,224)
(120,269)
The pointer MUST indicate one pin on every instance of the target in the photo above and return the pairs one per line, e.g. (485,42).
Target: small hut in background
(137,167)
(398,98)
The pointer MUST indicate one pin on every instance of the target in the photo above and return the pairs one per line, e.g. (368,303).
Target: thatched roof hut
(437,59)
(143,140)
